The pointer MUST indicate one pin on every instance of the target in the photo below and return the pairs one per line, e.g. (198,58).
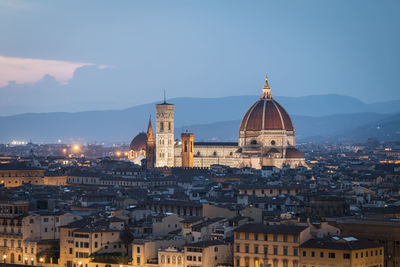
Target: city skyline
(66,57)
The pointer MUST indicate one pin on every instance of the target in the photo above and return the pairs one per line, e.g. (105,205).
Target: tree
(126,238)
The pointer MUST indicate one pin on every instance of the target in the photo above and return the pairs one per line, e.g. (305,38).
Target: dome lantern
(266,90)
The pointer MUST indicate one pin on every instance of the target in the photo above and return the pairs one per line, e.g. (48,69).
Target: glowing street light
(118,153)
(76,147)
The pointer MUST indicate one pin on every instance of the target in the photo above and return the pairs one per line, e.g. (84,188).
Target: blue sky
(84,55)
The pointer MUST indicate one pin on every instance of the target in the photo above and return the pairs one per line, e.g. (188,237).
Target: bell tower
(165,135)
(150,147)
(187,150)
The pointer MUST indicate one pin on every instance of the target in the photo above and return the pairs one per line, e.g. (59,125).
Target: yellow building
(16,175)
(80,239)
(260,245)
(341,252)
(207,253)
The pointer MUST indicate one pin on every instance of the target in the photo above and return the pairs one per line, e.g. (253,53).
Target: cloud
(29,70)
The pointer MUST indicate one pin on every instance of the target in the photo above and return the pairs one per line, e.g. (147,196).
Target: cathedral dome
(266,114)
(292,153)
(139,142)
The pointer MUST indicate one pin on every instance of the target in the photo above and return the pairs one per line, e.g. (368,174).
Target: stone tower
(165,135)
(150,147)
(187,150)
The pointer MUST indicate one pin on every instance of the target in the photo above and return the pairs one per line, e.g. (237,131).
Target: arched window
(215,153)
(162,259)
(173,259)
(161,126)
(273,142)
(179,260)
(253,142)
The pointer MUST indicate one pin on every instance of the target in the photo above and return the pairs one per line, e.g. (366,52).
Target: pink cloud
(29,70)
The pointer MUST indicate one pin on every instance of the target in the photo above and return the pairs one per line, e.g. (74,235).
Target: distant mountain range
(318,118)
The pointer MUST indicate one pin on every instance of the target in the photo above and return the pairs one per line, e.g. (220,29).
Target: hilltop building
(266,138)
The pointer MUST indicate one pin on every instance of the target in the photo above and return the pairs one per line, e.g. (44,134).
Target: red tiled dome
(292,152)
(266,114)
(139,142)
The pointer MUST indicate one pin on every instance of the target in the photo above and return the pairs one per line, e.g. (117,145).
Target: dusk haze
(199,133)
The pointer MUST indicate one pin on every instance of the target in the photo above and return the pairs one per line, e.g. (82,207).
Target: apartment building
(260,245)
(341,252)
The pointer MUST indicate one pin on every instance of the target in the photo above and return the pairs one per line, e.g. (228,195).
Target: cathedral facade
(266,138)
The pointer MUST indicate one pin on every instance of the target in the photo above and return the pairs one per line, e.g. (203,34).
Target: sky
(93,55)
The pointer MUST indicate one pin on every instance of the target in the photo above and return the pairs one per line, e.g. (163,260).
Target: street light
(4,258)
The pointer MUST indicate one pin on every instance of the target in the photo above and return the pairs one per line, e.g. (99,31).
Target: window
(246,236)
(275,238)
(331,255)
(138,249)
(238,261)
(356,255)
(285,251)
(199,258)
(45,219)
(216,249)
(265,237)
(256,249)
(237,248)
(95,244)
(161,126)
(295,250)
(346,256)
(284,238)
(312,254)
(304,253)
(321,254)
(237,235)
(255,236)
(247,248)
(275,250)
(295,239)
(138,260)
(70,250)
